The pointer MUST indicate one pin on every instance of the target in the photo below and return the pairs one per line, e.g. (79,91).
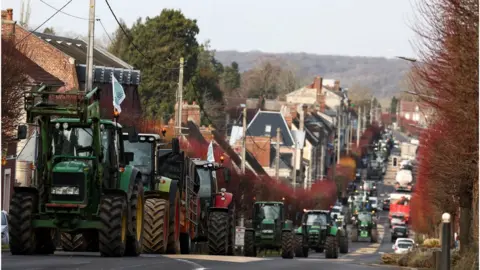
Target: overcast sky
(336,27)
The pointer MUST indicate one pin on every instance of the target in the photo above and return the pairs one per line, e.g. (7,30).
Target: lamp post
(446,231)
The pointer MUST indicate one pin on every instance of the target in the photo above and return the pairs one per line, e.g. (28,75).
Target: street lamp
(409,59)
(446,227)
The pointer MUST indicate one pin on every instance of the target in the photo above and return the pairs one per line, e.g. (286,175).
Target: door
(7,175)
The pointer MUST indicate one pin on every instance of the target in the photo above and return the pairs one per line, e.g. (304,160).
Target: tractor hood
(268,221)
(73,166)
(363,223)
(315,229)
(267,226)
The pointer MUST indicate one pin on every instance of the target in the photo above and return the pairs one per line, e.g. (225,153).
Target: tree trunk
(465,221)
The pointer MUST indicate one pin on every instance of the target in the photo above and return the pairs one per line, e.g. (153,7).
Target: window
(268,128)
(317,219)
(4,219)
(407,116)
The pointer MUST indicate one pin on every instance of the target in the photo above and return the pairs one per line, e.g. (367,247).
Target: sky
(336,27)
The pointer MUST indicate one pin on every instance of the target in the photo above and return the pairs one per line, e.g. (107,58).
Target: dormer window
(268,130)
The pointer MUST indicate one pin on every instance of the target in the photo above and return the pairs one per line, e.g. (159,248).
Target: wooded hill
(382,75)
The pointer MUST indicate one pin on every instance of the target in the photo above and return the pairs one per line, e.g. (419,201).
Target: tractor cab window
(268,211)
(205,177)
(75,141)
(317,219)
(143,153)
(364,217)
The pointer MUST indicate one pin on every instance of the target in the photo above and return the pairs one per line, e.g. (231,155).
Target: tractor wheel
(135,238)
(45,241)
(343,242)
(287,245)
(249,247)
(331,247)
(22,235)
(173,243)
(218,233)
(231,232)
(73,242)
(354,235)
(300,249)
(113,215)
(374,236)
(155,226)
(298,245)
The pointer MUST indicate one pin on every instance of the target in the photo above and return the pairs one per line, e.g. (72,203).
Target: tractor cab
(144,147)
(266,215)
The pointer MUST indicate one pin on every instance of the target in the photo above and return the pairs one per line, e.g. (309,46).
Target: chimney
(193,113)
(336,85)
(317,83)
(9,14)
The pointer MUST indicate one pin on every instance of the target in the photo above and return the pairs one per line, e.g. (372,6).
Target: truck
(269,230)
(408,150)
(183,203)
(403,180)
(399,204)
(85,184)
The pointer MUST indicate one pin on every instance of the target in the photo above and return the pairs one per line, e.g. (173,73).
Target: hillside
(382,75)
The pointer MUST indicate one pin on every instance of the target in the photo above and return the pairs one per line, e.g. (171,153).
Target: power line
(105,30)
(54,14)
(64,13)
(130,38)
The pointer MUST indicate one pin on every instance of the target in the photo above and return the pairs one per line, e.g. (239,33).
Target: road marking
(234,259)
(195,265)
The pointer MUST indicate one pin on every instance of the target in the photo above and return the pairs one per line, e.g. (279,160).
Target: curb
(393,266)
(8,250)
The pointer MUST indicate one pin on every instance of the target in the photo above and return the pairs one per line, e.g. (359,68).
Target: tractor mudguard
(223,201)
(115,192)
(333,231)
(31,190)
(288,226)
(298,230)
(128,178)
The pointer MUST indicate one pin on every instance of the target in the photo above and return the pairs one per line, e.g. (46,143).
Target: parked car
(4,217)
(403,245)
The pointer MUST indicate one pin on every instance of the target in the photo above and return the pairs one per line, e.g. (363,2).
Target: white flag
(118,93)
(210,155)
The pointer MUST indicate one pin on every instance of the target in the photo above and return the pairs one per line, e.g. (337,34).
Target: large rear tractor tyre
(155,235)
(73,242)
(374,236)
(287,245)
(114,231)
(22,235)
(343,242)
(354,235)
(331,247)
(249,248)
(218,233)
(231,232)
(135,237)
(173,243)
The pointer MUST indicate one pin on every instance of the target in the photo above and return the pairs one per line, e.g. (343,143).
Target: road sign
(239,236)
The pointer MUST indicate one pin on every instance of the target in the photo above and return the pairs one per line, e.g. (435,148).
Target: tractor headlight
(65,190)
(267,231)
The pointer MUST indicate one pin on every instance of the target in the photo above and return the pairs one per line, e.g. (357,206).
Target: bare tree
(14,81)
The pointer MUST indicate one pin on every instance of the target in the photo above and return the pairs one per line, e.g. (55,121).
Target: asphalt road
(361,256)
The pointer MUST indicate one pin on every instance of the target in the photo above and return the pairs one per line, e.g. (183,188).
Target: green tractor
(84,186)
(268,230)
(183,203)
(365,227)
(320,232)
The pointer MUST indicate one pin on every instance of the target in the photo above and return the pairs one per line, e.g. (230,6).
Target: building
(414,112)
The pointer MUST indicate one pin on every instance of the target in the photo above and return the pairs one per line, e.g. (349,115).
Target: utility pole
(294,176)
(277,155)
(339,124)
(91,44)
(244,138)
(359,125)
(371,111)
(178,123)
(364,121)
(302,129)
(322,156)
(349,133)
